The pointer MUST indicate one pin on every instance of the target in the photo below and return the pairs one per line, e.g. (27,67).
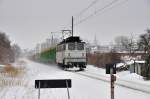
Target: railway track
(120,82)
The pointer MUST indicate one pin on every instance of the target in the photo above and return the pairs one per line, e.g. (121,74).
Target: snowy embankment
(125,79)
(83,87)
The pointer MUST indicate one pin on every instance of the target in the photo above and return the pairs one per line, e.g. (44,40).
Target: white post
(67,89)
(39,91)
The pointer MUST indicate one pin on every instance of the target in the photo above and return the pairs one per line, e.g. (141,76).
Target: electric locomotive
(71,52)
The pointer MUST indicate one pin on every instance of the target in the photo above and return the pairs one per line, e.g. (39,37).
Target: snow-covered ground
(125,78)
(83,87)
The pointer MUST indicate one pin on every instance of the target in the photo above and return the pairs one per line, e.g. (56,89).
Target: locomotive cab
(71,52)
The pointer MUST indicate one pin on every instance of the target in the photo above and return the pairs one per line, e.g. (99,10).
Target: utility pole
(70,31)
(72,25)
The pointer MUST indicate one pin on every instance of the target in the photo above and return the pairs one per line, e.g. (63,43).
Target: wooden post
(112,86)
(113,79)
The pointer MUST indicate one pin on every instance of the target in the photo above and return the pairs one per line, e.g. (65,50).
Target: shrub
(101,59)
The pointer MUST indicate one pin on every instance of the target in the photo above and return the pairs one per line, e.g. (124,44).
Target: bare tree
(16,50)
(124,43)
(145,44)
(6,55)
(4,41)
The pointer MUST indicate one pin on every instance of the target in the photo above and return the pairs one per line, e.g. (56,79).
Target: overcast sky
(28,22)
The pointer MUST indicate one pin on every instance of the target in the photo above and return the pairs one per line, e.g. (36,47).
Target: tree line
(142,44)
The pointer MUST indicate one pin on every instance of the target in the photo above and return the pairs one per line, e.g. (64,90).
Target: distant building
(49,43)
(136,67)
(96,48)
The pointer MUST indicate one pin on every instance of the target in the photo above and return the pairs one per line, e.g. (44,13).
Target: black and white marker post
(111,69)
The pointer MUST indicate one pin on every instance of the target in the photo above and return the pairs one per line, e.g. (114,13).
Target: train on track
(71,52)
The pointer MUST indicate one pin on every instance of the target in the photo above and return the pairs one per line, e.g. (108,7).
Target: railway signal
(111,69)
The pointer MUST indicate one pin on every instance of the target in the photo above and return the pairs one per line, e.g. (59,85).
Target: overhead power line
(82,12)
(97,11)
(107,7)
(85,9)
(110,6)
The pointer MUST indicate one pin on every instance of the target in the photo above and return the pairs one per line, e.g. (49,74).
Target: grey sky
(28,22)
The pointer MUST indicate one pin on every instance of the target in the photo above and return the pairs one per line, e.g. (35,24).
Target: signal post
(111,69)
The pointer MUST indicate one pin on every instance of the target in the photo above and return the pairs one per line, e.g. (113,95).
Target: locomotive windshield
(80,46)
(71,46)
(76,46)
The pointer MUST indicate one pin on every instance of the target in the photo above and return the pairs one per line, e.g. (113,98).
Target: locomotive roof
(72,39)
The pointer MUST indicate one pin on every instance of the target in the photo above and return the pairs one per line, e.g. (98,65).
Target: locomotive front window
(71,46)
(64,47)
(80,46)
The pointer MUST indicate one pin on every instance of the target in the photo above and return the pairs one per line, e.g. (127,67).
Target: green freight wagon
(48,56)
